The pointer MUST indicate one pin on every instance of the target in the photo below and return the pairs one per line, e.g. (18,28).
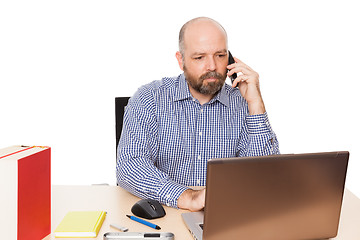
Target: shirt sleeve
(258,138)
(136,169)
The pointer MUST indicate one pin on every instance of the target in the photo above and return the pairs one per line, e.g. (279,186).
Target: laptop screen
(295,196)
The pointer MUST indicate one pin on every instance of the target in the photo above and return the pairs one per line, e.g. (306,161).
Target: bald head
(197,28)
(203,56)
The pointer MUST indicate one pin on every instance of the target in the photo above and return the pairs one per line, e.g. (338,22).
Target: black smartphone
(231,61)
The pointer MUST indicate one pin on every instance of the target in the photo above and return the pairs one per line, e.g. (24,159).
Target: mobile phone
(231,61)
(138,236)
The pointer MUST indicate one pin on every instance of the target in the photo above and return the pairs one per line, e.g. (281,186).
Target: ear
(180,60)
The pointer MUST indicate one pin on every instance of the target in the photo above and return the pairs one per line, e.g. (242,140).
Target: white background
(62,63)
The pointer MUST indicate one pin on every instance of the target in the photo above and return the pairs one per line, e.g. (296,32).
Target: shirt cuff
(170,193)
(258,124)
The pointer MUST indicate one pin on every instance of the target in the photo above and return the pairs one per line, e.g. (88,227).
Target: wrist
(193,200)
(184,199)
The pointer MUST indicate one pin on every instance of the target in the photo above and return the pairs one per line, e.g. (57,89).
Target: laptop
(289,196)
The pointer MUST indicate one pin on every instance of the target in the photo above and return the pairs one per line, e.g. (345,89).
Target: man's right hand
(193,200)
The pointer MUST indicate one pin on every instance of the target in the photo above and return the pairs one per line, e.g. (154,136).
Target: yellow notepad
(80,224)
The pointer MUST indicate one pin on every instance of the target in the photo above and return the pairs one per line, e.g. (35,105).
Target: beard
(208,88)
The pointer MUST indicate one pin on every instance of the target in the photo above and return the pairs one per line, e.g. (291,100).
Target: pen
(123,229)
(149,224)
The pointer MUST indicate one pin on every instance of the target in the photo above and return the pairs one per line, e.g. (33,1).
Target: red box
(25,186)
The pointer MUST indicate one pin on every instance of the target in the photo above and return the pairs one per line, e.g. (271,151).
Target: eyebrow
(203,53)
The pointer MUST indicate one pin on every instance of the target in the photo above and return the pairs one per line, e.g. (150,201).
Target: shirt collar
(222,96)
(183,92)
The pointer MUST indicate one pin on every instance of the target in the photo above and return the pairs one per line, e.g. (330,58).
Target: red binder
(25,187)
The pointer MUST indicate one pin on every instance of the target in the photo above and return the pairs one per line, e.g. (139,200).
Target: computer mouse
(148,208)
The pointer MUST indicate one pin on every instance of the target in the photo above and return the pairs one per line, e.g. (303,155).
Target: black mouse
(148,208)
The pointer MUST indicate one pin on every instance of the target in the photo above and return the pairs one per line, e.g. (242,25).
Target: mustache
(211,74)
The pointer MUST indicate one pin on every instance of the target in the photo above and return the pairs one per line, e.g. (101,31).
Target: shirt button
(167,196)
(198,182)
(199,157)
(200,134)
(202,110)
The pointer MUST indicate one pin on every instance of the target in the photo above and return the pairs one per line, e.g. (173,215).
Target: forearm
(256,107)
(145,180)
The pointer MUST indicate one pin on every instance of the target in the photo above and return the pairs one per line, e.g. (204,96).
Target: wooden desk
(118,202)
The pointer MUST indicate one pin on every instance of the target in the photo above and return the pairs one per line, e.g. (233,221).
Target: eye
(198,58)
(221,55)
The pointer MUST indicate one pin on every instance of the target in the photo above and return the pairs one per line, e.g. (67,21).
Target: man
(173,126)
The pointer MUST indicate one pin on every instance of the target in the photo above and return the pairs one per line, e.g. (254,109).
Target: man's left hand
(248,83)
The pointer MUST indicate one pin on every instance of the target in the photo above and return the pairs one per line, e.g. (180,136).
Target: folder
(25,192)
(80,224)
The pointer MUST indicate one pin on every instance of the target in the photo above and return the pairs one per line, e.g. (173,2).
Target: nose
(211,64)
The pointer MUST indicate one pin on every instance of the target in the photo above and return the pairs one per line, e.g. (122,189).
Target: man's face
(205,58)
(208,83)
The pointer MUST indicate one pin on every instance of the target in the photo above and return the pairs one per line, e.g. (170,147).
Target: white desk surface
(117,203)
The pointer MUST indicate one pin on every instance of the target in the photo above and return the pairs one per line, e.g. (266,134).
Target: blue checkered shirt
(168,137)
